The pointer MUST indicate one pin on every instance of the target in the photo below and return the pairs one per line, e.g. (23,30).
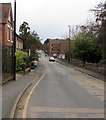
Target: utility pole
(69,43)
(14,44)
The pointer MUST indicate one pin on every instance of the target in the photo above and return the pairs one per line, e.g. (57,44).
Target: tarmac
(81,69)
(23,80)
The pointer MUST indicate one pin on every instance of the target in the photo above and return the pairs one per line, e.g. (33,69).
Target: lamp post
(69,43)
(69,30)
(14,43)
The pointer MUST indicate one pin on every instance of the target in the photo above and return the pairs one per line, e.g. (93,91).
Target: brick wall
(90,66)
(0,34)
(95,67)
(0,24)
(19,43)
(58,46)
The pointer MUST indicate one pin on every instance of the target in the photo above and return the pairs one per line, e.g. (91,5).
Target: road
(66,93)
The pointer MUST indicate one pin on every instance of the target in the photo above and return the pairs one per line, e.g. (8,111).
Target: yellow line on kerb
(27,100)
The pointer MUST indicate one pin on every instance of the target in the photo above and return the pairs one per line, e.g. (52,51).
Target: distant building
(58,47)
(19,43)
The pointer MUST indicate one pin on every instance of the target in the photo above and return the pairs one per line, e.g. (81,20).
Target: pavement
(81,69)
(12,89)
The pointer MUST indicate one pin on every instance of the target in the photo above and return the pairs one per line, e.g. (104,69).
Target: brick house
(0,25)
(58,46)
(6,23)
(19,43)
(6,40)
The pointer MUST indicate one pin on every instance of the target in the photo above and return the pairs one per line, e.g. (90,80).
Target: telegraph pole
(69,42)
(14,44)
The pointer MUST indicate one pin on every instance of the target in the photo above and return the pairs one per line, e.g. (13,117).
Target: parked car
(52,59)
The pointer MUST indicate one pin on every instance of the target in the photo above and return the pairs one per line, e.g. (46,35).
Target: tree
(46,41)
(46,46)
(31,39)
(24,29)
(85,48)
(100,12)
(89,39)
(36,39)
(102,30)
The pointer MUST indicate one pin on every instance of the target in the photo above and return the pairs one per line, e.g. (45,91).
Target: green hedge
(21,59)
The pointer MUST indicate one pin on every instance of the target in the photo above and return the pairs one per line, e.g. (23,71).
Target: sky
(50,18)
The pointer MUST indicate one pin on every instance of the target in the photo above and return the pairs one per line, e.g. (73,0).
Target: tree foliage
(100,13)
(46,46)
(89,42)
(85,48)
(24,28)
(31,39)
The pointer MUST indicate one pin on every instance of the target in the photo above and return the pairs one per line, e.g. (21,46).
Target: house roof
(57,41)
(20,37)
(6,8)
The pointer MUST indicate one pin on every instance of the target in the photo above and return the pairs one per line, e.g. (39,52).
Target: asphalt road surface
(66,93)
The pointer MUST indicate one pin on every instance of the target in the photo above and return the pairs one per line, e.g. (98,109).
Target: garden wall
(90,66)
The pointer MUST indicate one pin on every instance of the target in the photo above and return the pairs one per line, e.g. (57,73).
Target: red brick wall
(5,36)
(58,46)
(0,34)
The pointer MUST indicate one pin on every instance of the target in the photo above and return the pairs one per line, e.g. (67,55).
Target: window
(8,34)
(58,50)
(11,35)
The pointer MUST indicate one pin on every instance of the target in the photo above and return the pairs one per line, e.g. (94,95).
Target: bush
(86,50)
(21,59)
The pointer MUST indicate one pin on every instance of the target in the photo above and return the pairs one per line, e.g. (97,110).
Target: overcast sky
(50,18)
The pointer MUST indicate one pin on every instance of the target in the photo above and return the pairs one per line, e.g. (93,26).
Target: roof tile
(4,11)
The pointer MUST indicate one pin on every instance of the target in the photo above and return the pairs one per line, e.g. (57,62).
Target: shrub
(21,58)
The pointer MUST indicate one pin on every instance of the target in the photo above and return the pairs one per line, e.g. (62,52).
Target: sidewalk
(18,76)
(91,73)
(13,88)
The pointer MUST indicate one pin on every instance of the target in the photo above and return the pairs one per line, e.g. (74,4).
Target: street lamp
(69,43)
(14,44)
(69,30)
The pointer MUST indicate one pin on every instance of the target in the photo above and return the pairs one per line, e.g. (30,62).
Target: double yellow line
(28,98)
